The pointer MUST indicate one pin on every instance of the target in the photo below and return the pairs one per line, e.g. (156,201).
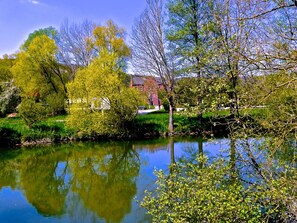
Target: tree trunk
(172,158)
(200,114)
(171,143)
(171,112)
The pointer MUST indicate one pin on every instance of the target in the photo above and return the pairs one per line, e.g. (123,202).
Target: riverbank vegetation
(55,129)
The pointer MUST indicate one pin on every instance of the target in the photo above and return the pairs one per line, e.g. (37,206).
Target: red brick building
(149,85)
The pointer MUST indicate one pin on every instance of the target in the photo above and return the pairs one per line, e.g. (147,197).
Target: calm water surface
(88,182)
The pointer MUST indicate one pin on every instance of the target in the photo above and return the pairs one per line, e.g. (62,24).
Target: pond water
(90,182)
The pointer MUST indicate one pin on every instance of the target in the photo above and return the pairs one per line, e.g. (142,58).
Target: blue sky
(18,18)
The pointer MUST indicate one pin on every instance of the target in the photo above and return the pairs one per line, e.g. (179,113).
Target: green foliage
(280,96)
(276,94)
(5,65)
(111,38)
(52,129)
(31,111)
(113,121)
(194,194)
(210,193)
(163,99)
(38,75)
(190,23)
(56,102)
(165,104)
(101,102)
(200,95)
(50,31)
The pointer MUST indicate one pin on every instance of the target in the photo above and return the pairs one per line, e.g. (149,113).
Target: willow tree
(36,70)
(5,64)
(40,77)
(101,102)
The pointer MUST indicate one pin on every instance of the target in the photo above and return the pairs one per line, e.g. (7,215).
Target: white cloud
(35,2)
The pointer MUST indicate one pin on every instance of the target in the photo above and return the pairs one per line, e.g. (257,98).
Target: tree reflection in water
(44,188)
(103,176)
(105,180)
(96,182)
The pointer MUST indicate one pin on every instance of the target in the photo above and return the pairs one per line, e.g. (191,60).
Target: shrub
(212,193)
(32,111)
(166,105)
(56,102)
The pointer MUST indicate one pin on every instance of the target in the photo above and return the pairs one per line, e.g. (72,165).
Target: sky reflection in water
(89,182)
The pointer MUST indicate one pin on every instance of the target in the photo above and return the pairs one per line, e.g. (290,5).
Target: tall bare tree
(151,51)
(73,42)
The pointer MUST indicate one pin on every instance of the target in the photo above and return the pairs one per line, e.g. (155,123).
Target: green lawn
(158,122)
(188,124)
(53,128)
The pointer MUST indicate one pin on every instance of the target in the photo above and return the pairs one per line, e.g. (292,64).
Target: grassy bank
(157,124)
(14,131)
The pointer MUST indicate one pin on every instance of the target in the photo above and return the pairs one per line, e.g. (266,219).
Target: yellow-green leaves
(101,103)
(111,38)
(194,194)
(36,71)
(5,65)
(31,111)
(40,78)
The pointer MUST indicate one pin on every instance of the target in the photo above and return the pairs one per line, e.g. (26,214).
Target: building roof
(139,79)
